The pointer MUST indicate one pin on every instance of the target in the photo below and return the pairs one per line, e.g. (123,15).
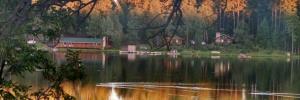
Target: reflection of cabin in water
(90,57)
(83,43)
(175,40)
(223,38)
(84,56)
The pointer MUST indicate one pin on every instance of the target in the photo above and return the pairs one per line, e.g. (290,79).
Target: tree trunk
(220,19)
(187,38)
(275,21)
(2,68)
(292,44)
(233,17)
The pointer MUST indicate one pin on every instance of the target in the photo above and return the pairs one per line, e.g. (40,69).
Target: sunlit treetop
(236,5)
(289,7)
(207,11)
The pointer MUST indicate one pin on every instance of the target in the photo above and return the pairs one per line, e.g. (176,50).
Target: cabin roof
(80,40)
(224,35)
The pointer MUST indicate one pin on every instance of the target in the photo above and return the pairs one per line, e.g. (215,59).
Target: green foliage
(263,36)
(22,58)
(73,69)
(105,25)
(51,24)
(18,57)
(242,35)
(195,31)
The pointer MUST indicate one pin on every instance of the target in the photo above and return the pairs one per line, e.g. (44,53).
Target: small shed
(129,48)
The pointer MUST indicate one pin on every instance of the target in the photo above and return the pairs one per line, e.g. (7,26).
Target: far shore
(201,53)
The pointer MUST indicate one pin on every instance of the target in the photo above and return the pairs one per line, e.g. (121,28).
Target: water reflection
(221,68)
(131,56)
(85,56)
(170,91)
(111,76)
(276,95)
(103,59)
(113,95)
(154,91)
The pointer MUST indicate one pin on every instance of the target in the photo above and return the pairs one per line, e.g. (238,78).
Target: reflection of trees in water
(253,75)
(84,56)
(269,75)
(221,68)
(157,91)
(172,63)
(70,71)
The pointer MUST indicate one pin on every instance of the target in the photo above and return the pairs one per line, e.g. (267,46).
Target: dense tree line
(264,24)
(254,24)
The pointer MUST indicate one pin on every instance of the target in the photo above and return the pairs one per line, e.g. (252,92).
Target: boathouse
(83,43)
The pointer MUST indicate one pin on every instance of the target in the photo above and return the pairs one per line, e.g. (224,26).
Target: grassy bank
(206,53)
(235,53)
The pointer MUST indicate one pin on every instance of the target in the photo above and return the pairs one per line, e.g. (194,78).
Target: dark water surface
(132,77)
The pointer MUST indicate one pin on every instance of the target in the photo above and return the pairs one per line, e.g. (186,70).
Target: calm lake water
(132,77)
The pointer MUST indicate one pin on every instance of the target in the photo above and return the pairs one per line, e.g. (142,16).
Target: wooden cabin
(175,40)
(223,39)
(83,43)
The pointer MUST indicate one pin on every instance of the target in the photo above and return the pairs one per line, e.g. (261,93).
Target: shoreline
(254,54)
(260,54)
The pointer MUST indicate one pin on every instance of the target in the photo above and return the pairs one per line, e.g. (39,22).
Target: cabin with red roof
(83,43)
(223,39)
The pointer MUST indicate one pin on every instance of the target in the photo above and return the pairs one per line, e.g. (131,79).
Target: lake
(111,76)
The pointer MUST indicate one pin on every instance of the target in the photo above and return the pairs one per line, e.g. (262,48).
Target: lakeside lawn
(235,53)
(206,53)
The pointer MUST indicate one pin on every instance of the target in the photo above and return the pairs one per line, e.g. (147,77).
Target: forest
(254,24)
